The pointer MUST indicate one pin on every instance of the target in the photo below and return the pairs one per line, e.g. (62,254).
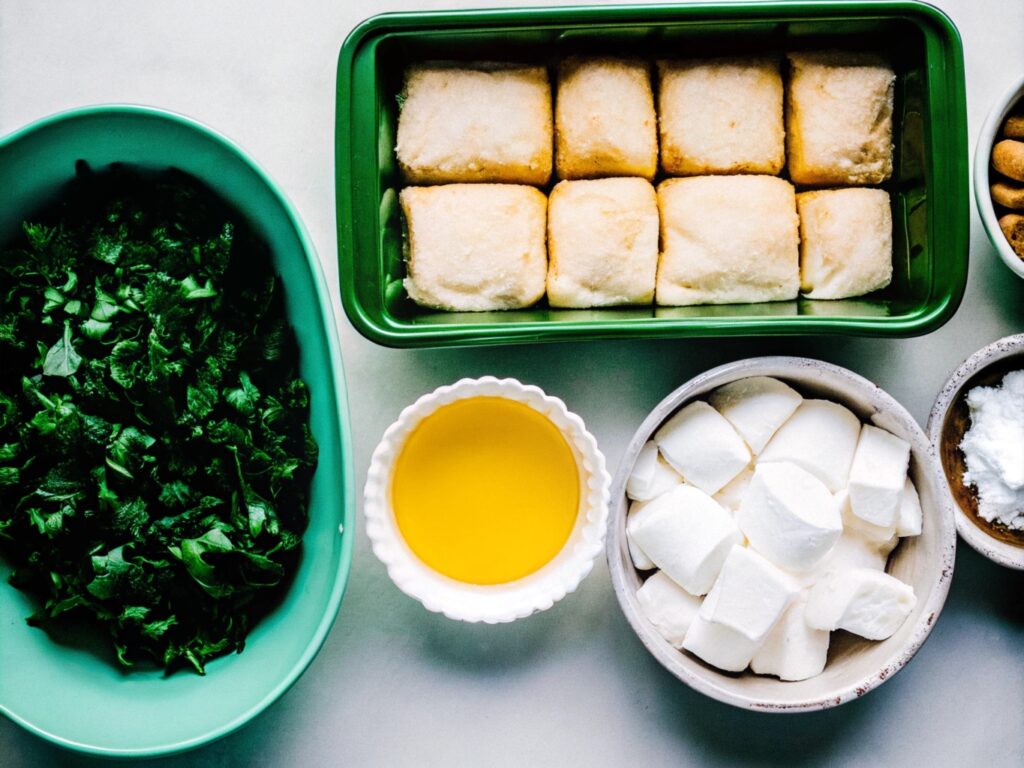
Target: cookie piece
(839,118)
(727,240)
(845,242)
(479,123)
(721,116)
(1008,195)
(1008,158)
(1013,128)
(602,243)
(604,119)
(1012,225)
(475,246)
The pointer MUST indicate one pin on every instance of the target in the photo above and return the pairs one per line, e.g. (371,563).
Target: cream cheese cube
(756,407)
(821,437)
(731,495)
(863,601)
(702,446)
(878,475)
(669,607)
(910,518)
(750,594)
(640,561)
(719,645)
(686,534)
(792,650)
(651,476)
(789,516)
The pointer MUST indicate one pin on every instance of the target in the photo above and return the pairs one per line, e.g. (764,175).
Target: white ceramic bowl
(946,424)
(501,602)
(855,666)
(1013,96)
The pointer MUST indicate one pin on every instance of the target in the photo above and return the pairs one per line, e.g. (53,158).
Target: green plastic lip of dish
(75,697)
(930,187)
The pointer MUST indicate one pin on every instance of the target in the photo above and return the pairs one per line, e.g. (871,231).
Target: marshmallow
(686,534)
(792,650)
(875,534)
(669,607)
(640,561)
(854,551)
(651,476)
(863,601)
(731,495)
(789,516)
(749,596)
(719,645)
(878,475)
(821,437)
(909,521)
(756,407)
(702,446)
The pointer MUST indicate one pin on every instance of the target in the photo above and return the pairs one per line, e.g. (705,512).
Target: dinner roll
(839,118)
(721,116)
(845,242)
(604,119)
(727,240)
(602,243)
(475,246)
(475,124)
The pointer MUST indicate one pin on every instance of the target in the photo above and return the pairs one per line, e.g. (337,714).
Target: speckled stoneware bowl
(497,603)
(949,420)
(1013,97)
(855,666)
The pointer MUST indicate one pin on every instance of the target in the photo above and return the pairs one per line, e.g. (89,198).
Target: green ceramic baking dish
(929,186)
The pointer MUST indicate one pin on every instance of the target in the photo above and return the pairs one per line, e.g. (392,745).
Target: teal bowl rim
(341,403)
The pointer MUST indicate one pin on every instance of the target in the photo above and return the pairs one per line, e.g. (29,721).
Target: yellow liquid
(485,490)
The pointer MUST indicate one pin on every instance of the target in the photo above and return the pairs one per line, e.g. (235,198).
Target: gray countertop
(395,685)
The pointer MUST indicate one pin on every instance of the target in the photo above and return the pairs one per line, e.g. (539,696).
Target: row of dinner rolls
(494,122)
(619,241)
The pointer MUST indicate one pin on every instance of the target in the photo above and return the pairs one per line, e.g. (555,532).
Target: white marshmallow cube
(792,650)
(756,407)
(854,551)
(789,516)
(908,523)
(750,594)
(651,476)
(731,495)
(863,601)
(703,447)
(821,437)
(686,534)
(669,607)
(878,475)
(719,645)
(875,534)
(640,561)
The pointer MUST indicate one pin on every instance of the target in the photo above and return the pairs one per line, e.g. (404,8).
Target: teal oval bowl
(77,697)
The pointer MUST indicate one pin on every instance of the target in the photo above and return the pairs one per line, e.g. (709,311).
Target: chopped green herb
(155,453)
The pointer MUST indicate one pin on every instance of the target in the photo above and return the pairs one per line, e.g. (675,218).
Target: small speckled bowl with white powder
(949,422)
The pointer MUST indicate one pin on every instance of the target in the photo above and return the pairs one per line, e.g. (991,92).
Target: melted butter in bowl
(487,500)
(486,490)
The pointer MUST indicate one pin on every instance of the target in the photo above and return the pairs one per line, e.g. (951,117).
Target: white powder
(994,449)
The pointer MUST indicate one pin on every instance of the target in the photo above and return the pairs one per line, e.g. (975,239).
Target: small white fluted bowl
(855,666)
(989,135)
(497,603)
(947,423)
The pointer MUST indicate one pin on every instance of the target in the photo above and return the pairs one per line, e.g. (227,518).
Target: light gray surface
(396,686)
